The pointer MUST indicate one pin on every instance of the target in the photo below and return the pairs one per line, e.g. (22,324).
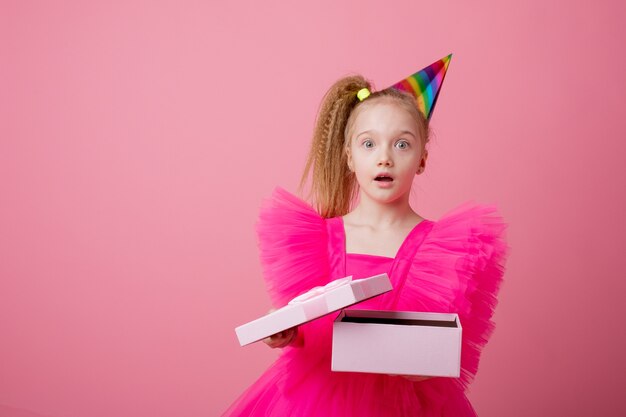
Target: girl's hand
(414,378)
(281,339)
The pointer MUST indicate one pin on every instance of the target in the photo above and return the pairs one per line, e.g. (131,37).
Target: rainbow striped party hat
(426,84)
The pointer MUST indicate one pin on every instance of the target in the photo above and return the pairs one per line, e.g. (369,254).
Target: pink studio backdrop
(137,140)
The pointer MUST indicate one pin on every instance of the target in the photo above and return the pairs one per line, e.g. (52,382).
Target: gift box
(313,304)
(397,342)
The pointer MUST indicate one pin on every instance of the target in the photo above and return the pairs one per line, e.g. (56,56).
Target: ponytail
(333,186)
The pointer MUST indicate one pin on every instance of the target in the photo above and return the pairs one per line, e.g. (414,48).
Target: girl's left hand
(414,378)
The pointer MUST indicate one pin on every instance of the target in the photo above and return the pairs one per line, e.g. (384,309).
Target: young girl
(367,149)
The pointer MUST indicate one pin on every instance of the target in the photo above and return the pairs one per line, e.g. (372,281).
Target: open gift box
(313,304)
(397,342)
(389,342)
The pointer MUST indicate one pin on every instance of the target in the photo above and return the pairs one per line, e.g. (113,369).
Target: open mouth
(383,178)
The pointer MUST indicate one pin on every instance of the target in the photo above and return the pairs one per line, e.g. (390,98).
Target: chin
(385,197)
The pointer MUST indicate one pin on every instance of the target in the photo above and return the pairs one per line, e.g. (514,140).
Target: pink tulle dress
(454,264)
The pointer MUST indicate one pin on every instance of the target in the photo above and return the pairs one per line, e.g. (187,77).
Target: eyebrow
(401,132)
(409,132)
(365,131)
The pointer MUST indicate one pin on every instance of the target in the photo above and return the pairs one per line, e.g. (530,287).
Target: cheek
(359,165)
(360,162)
(354,156)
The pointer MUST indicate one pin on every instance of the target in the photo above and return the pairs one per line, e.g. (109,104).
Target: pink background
(137,140)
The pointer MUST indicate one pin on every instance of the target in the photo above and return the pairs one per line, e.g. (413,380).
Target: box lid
(314,304)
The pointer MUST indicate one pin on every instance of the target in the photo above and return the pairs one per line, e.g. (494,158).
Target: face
(385,151)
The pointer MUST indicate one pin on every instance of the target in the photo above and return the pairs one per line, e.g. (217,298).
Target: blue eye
(368,143)
(402,144)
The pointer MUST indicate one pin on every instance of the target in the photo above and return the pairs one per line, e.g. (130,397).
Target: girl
(366,151)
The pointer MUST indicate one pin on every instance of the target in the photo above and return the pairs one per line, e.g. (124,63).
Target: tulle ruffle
(459,269)
(292,246)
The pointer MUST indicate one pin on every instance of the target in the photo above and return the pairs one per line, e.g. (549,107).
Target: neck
(383,215)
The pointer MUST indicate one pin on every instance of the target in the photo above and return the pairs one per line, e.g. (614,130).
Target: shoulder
(468,222)
(469,239)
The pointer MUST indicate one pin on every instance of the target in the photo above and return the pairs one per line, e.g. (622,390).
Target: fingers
(414,378)
(287,337)
(281,339)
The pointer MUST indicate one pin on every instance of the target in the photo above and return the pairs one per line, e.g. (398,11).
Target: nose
(384,159)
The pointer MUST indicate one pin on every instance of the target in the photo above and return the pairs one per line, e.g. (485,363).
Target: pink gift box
(397,342)
(315,303)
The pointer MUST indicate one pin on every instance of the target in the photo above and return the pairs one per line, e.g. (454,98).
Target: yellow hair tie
(363,94)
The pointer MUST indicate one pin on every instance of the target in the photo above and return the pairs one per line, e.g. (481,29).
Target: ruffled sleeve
(293,248)
(459,269)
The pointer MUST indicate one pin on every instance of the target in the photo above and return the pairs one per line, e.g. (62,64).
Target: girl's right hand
(281,339)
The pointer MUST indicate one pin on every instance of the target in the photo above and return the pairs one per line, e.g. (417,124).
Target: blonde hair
(333,186)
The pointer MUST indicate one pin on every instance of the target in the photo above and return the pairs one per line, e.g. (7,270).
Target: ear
(422,165)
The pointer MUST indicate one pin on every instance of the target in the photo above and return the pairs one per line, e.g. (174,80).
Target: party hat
(426,84)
